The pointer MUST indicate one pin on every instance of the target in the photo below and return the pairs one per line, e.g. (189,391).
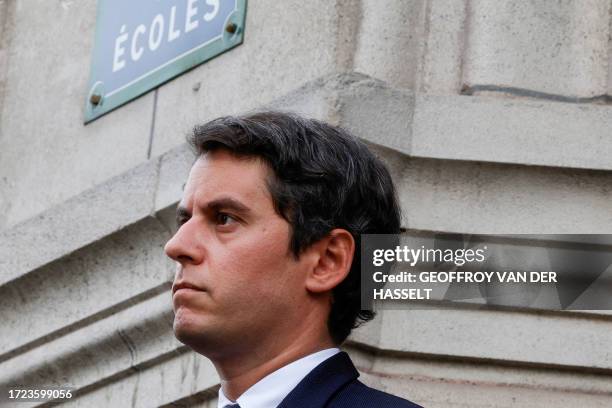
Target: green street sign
(140,44)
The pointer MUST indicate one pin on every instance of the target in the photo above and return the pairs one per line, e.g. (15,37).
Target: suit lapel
(321,383)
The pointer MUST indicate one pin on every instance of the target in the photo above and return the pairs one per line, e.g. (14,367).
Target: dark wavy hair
(324,178)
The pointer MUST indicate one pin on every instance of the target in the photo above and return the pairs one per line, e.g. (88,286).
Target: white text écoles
(156,31)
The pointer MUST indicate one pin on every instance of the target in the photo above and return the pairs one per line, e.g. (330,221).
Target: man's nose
(184,246)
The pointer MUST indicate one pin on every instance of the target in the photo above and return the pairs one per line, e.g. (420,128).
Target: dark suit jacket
(333,384)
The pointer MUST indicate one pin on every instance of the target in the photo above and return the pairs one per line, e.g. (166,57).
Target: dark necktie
(232,406)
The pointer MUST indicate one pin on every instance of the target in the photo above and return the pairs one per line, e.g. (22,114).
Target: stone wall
(493,116)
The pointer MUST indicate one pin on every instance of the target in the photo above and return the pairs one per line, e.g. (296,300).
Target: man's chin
(191,332)
(186,327)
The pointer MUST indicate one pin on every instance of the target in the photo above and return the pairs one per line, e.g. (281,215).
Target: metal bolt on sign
(95,99)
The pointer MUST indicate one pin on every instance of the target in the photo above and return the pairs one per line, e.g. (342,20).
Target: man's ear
(335,256)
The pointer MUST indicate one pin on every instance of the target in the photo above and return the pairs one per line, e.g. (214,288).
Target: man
(267,281)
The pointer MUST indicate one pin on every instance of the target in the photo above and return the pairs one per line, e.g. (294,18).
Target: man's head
(270,227)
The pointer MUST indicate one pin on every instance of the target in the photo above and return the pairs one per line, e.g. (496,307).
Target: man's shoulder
(356,394)
(334,384)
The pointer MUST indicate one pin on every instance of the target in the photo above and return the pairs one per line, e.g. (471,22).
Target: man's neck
(240,373)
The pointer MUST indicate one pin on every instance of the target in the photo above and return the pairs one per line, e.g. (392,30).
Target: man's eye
(225,219)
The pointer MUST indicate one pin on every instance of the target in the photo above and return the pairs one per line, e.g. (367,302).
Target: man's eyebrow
(228,203)
(224,203)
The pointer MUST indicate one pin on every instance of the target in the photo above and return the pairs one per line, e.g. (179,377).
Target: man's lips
(185,285)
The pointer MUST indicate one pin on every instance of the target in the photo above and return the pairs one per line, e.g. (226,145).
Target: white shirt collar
(273,388)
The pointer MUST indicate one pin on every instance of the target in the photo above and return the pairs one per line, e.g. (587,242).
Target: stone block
(108,347)
(440,71)
(286,45)
(488,198)
(387,369)
(365,106)
(4,41)
(553,47)
(47,154)
(484,198)
(316,99)
(610,57)
(179,380)
(174,169)
(541,133)
(90,216)
(505,336)
(442,393)
(377,114)
(97,279)
(389,44)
